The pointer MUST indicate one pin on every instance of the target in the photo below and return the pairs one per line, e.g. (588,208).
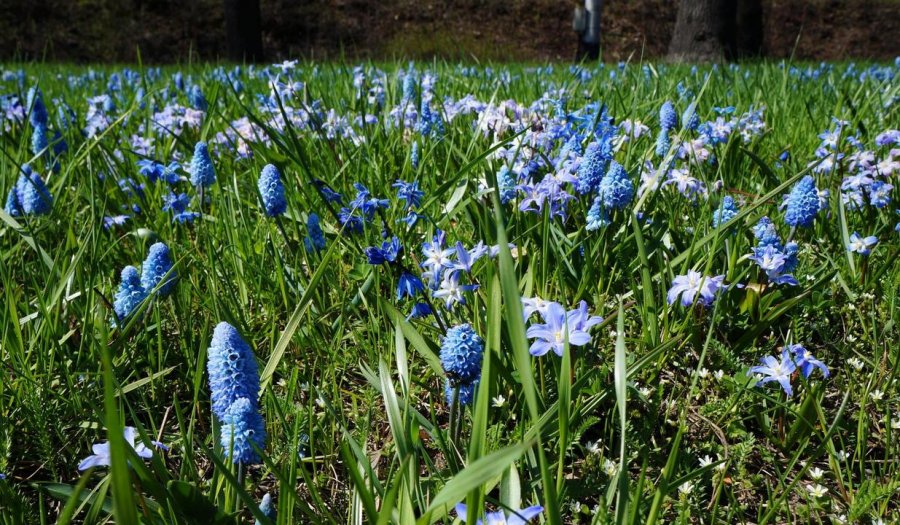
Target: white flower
(499,401)
(817,491)
(610,468)
(895,423)
(686,488)
(839,518)
(876,395)
(593,447)
(816,473)
(856,363)
(705,461)
(842,455)
(703,373)
(719,374)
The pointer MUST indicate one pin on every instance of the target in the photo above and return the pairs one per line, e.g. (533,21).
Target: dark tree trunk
(589,31)
(243,31)
(749,25)
(704,31)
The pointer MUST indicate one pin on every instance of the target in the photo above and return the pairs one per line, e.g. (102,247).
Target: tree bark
(704,31)
(243,30)
(589,35)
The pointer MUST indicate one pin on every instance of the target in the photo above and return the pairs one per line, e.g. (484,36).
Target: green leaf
(476,474)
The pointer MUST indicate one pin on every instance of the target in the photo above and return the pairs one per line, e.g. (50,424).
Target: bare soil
(535,30)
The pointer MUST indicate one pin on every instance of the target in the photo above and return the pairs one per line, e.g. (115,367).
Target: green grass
(612,432)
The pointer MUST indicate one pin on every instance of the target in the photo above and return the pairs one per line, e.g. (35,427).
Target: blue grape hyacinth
(592,167)
(315,239)
(461,354)
(271,189)
(233,372)
(35,101)
(727,211)
(616,189)
(662,143)
(203,174)
(668,119)
(414,156)
(597,216)
(802,203)
(34,197)
(466,392)
(12,202)
(39,139)
(689,118)
(242,428)
(268,509)
(157,264)
(130,293)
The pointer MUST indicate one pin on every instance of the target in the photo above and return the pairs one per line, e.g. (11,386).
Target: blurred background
(165,31)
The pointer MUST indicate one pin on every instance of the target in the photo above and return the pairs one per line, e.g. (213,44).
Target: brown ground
(537,30)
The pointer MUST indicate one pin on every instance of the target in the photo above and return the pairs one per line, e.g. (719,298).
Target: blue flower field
(417,293)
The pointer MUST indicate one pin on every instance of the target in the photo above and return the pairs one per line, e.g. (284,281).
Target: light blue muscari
(156,266)
(242,428)
(232,368)
(203,174)
(271,190)
(130,293)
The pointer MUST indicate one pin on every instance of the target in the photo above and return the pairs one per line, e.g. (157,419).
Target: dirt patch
(535,30)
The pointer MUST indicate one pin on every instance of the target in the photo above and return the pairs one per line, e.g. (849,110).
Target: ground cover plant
(419,293)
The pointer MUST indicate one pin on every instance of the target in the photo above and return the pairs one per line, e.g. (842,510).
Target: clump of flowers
(774,258)
(157,266)
(462,351)
(271,190)
(726,211)
(130,294)
(234,390)
(695,287)
(802,203)
(29,196)
(781,370)
(203,174)
(559,327)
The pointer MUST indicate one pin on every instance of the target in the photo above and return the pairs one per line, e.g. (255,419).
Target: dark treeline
(171,30)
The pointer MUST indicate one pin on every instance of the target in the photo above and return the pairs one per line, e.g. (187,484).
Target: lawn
(337,293)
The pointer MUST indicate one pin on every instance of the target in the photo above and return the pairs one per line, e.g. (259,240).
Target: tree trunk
(242,30)
(587,25)
(749,24)
(704,31)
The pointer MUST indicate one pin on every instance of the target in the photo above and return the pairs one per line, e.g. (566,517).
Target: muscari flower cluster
(157,274)
(234,391)
(793,357)
(29,195)
(802,204)
(271,191)
(462,352)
